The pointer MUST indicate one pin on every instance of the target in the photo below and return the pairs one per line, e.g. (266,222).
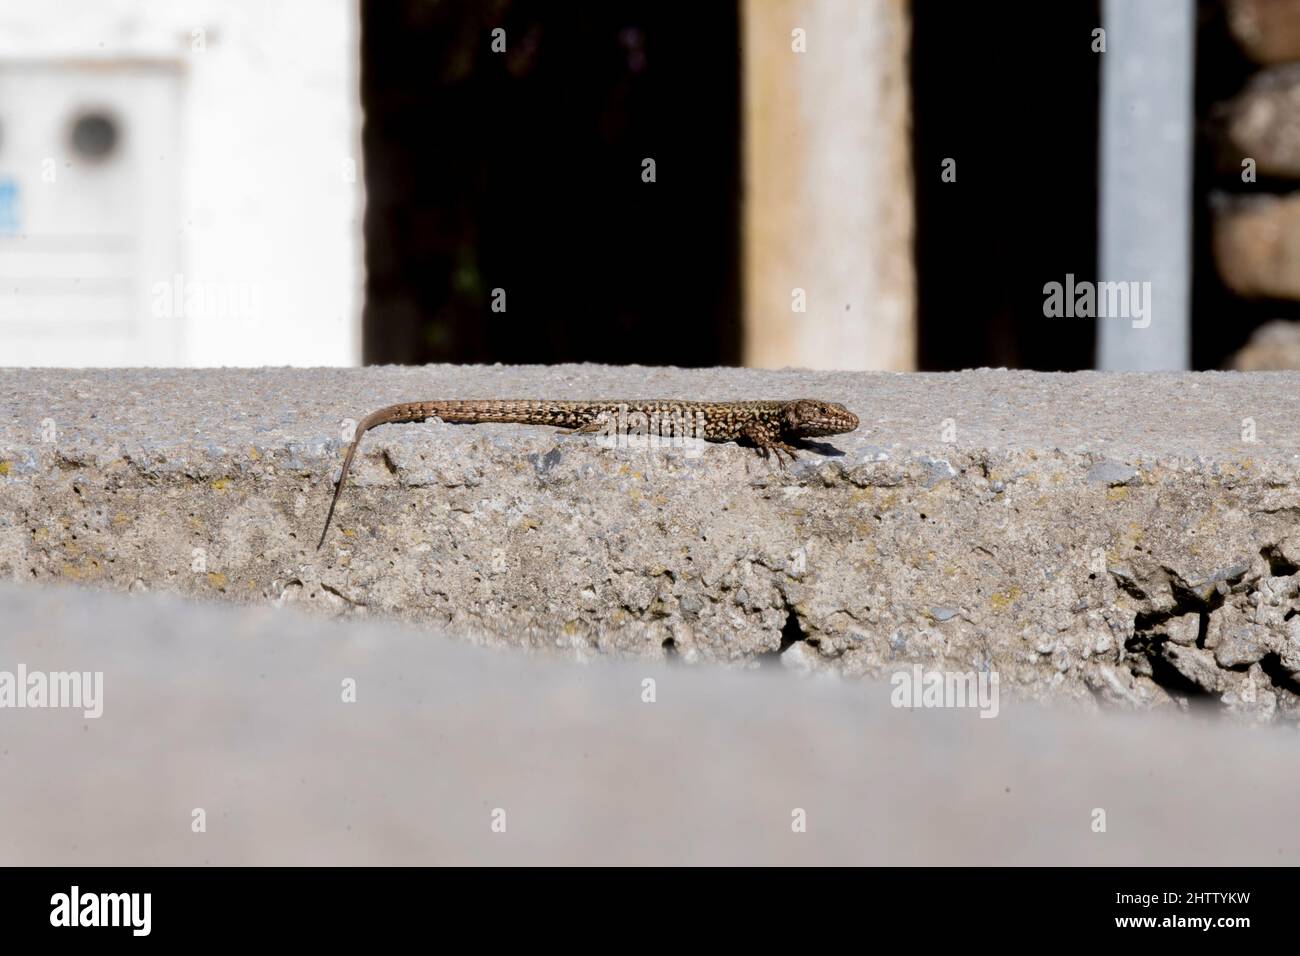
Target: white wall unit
(222,225)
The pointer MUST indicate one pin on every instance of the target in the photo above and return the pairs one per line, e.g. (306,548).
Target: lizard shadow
(802,444)
(820,447)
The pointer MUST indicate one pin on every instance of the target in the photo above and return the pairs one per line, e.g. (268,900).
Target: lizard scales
(767,425)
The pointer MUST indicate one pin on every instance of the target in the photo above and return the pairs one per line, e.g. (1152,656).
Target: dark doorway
(1010,91)
(522,171)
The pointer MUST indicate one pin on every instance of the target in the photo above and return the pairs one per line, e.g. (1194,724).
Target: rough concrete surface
(1113,538)
(239,713)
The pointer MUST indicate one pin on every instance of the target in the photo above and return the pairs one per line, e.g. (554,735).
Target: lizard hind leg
(595,426)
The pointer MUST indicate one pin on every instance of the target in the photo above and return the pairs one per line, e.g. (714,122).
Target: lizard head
(811,418)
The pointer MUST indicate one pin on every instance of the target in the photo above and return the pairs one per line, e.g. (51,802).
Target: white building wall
(260,207)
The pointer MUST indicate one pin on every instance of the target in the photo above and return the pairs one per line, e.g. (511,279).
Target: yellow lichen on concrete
(1001,600)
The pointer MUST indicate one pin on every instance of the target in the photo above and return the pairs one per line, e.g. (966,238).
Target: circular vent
(94,136)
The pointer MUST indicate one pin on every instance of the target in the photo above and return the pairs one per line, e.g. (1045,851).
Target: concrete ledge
(240,713)
(1096,537)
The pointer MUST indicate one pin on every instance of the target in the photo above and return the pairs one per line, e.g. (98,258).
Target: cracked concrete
(1116,538)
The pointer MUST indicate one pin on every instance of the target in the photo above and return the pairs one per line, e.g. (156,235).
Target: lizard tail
(391,413)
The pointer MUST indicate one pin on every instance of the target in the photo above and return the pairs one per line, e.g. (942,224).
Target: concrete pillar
(827,185)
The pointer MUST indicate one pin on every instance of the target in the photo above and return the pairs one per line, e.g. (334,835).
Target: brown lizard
(765,425)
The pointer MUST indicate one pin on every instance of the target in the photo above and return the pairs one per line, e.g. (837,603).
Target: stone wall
(1256,228)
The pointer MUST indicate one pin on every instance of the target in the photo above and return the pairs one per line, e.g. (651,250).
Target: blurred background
(861,184)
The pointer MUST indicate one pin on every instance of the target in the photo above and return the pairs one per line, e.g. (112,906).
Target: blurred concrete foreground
(262,736)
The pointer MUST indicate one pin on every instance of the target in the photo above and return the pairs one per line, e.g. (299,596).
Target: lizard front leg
(766,441)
